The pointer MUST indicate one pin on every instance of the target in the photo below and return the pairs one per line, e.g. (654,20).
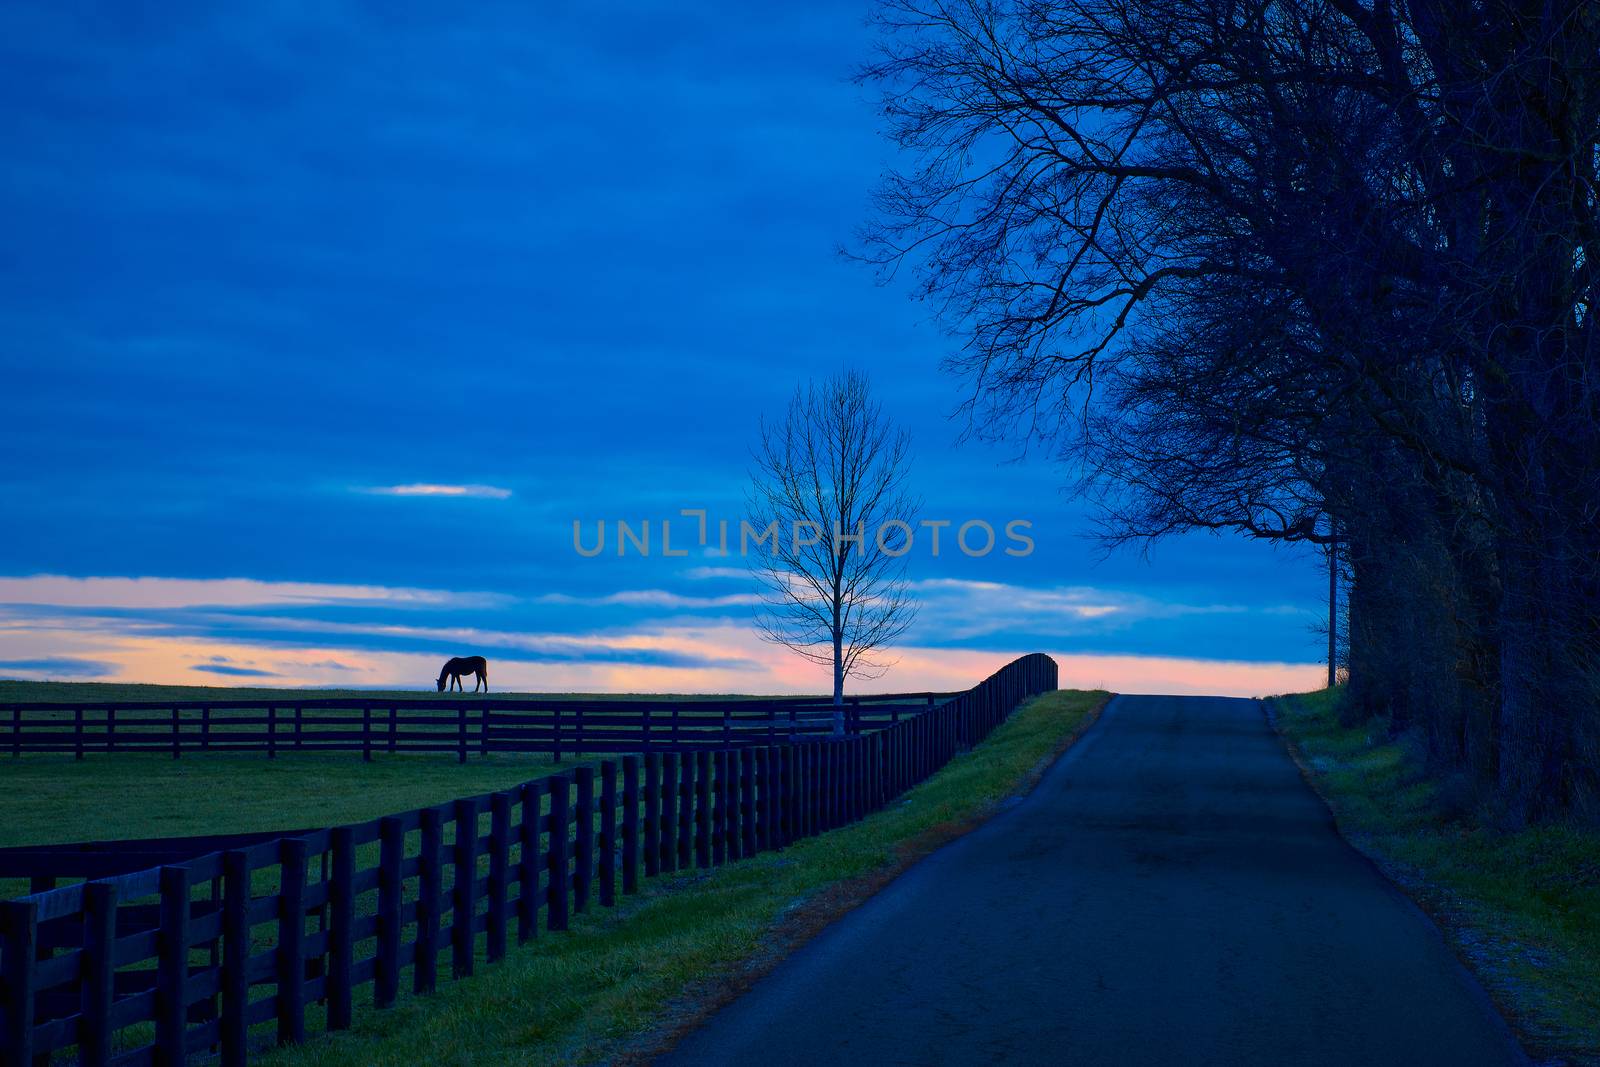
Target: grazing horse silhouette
(465,665)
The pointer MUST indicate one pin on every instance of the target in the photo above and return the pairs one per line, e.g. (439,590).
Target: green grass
(620,975)
(1521,907)
(52,799)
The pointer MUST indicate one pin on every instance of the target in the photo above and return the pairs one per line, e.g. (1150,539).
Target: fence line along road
(225,952)
(462,726)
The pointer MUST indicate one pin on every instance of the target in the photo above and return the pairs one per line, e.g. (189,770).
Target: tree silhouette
(1288,267)
(829,483)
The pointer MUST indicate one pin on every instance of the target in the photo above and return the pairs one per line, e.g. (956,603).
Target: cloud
(332,665)
(232,671)
(956,609)
(686,654)
(653,598)
(650,639)
(60,666)
(52,590)
(702,573)
(485,492)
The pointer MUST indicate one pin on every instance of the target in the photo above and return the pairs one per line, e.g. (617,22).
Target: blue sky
(262,260)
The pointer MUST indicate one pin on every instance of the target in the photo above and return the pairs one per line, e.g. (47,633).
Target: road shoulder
(1520,909)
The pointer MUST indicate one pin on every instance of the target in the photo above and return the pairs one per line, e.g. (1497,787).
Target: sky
(321,325)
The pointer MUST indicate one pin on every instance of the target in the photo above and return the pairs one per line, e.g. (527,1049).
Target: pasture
(50,797)
(535,843)
(53,798)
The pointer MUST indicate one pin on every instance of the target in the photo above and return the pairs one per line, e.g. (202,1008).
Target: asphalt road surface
(1171,893)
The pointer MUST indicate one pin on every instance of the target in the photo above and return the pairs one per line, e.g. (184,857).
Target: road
(1170,893)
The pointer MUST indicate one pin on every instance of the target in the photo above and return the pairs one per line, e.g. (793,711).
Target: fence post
(734,823)
(719,806)
(784,792)
(205,728)
(16,731)
(341,939)
(386,967)
(394,728)
(831,792)
(172,966)
(858,788)
(702,809)
(529,864)
(483,731)
(669,812)
(77,733)
(235,954)
(464,905)
(99,968)
(177,738)
(608,834)
(630,824)
(499,874)
(556,734)
(424,971)
(560,880)
(652,814)
(272,732)
(814,782)
(366,733)
(686,776)
(291,942)
(19,923)
(461,734)
(583,839)
(818,782)
(763,798)
(747,802)
(299,726)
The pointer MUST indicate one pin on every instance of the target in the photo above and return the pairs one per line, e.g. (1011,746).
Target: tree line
(1317,271)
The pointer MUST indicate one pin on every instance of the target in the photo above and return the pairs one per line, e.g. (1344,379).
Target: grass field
(1522,908)
(53,798)
(622,978)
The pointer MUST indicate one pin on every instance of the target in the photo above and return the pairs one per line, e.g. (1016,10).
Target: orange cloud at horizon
(732,660)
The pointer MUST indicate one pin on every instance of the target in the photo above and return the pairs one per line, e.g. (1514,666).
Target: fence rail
(461,726)
(231,949)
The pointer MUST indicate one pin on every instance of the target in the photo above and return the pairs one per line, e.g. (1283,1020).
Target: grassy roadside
(623,981)
(1522,908)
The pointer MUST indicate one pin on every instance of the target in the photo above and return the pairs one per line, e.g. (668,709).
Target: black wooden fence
(231,948)
(462,726)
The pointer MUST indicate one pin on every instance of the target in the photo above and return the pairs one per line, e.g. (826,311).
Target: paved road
(1171,893)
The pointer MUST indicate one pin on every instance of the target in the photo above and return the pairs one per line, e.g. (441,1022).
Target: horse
(465,665)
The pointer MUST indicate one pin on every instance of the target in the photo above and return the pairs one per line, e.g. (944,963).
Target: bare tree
(1269,262)
(829,489)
